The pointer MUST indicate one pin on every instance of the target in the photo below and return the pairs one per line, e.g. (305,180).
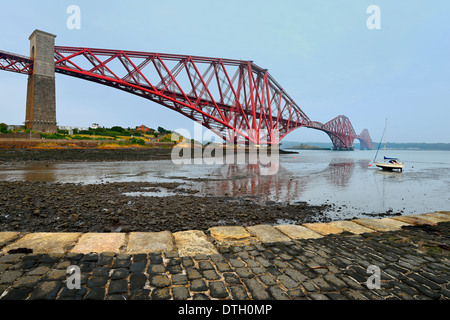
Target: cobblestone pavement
(414,263)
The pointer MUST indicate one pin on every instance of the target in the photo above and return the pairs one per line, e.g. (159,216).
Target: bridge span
(237,99)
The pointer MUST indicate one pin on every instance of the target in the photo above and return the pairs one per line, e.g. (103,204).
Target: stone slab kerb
(45,242)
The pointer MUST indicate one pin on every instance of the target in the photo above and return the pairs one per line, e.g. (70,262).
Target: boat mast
(379,144)
(385,134)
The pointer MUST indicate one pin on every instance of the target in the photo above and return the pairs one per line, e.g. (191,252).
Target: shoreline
(105,207)
(93,154)
(11,155)
(185,246)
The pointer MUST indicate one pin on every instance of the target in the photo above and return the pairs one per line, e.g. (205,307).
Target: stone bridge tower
(41,98)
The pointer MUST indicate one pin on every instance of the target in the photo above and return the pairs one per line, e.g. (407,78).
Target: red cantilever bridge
(237,99)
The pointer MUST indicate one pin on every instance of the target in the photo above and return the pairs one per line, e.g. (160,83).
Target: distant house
(69,128)
(13,127)
(142,128)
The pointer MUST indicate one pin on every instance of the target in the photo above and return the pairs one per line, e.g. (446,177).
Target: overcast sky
(321,52)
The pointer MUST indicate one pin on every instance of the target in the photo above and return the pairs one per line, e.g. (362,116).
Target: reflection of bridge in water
(245,180)
(340,170)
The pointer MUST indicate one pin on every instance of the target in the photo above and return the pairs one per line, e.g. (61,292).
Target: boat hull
(390,166)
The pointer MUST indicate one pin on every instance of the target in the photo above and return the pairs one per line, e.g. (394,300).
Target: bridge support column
(41,98)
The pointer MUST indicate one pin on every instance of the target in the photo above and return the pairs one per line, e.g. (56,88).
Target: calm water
(344,179)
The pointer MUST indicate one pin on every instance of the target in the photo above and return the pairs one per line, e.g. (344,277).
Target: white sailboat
(388,163)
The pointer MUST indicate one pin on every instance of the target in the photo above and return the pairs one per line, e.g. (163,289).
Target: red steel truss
(237,99)
(15,63)
(341,133)
(365,140)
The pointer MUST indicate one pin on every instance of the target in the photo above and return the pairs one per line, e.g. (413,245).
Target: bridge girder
(341,133)
(15,63)
(236,99)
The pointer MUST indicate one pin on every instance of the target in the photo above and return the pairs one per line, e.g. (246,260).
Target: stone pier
(41,98)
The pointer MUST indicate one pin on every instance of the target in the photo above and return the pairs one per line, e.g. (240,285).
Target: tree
(164,131)
(117,129)
(161,130)
(3,127)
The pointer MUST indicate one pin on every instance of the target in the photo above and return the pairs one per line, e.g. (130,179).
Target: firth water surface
(343,179)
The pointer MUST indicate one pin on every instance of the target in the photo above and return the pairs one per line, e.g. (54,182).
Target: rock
(126,229)
(103,205)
